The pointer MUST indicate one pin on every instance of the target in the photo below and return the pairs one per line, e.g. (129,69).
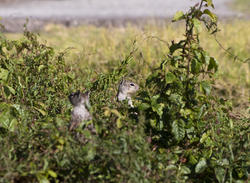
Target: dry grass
(242,5)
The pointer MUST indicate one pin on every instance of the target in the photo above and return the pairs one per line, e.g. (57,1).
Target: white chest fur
(80,112)
(122,96)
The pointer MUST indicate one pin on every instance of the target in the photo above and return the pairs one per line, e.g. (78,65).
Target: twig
(229,53)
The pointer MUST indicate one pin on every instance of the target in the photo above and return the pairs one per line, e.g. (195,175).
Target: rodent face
(77,98)
(128,87)
(74,98)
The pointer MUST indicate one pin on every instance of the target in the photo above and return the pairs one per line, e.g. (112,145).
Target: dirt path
(73,12)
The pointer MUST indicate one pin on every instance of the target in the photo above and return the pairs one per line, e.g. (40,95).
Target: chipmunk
(80,112)
(125,90)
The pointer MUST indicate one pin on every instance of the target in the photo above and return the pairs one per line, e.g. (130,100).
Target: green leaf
(204,137)
(205,58)
(41,111)
(154,100)
(240,172)
(12,90)
(223,162)
(206,87)
(197,25)
(158,108)
(151,77)
(115,112)
(210,14)
(4,74)
(45,165)
(185,112)
(208,153)
(201,111)
(9,90)
(185,170)
(91,153)
(171,167)
(144,106)
(220,173)
(213,64)
(86,133)
(153,123)
(20,82)
(174,47)
(43,179)
(52,173)
(178,129)
(198,55)
(7,120)
(42,105)
(160,125)
(192,159)
(209,3)
(201,166)
(12,124)
(195,66)
(20,111)
(176,98)
(40,67)
(170,78)
(178,16)
(118,123)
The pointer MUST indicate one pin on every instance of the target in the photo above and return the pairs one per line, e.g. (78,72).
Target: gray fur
(125,91)
(80,112)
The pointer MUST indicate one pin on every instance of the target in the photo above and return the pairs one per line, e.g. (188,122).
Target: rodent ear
(121,82)
(124,80)
(73,94)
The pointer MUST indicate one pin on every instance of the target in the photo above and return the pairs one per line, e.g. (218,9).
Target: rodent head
(128,87)
(78,98)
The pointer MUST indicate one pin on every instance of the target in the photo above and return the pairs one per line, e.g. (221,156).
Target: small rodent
(125,91)
(80,112)
(81,104)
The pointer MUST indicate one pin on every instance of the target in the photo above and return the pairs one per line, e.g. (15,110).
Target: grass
(242,5)
(102,48)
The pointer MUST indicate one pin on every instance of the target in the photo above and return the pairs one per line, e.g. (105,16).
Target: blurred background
(104,12)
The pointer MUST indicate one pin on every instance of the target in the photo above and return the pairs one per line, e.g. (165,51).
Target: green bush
(178,131)
(182,112)
(33,76)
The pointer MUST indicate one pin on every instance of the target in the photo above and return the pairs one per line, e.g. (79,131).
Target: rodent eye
(132,84)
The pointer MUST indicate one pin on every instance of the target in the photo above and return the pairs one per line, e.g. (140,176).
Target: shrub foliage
(179,131)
